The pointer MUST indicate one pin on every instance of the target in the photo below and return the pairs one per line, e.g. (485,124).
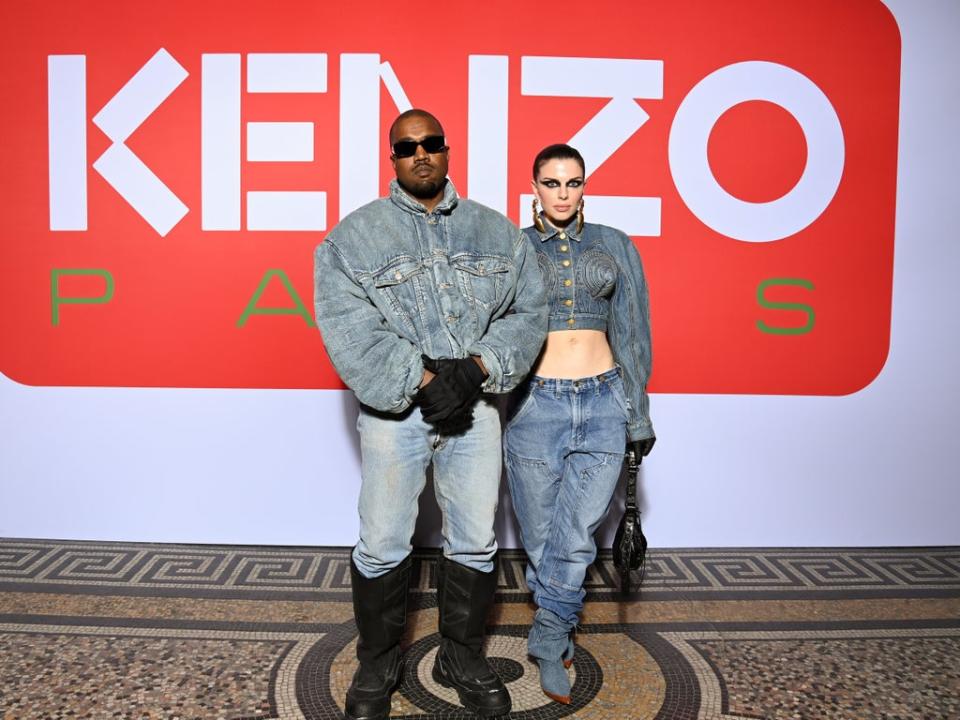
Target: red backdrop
(173,316)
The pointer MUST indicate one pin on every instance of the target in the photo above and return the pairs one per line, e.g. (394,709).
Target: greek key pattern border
(44,566)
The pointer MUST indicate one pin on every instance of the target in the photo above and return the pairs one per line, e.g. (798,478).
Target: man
(425,300)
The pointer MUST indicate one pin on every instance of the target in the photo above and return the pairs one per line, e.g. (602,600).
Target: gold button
(566,263)
(564,248)
(568,303)
(571,321)
(563,236)
(567,283)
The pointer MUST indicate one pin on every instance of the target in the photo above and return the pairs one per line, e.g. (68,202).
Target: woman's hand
(641,448)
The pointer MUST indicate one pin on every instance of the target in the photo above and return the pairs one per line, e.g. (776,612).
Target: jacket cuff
(414,378)
(640,430)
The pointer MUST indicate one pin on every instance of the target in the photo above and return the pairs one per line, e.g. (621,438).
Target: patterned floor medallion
(107,630)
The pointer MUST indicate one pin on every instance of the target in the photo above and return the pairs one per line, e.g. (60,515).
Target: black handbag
(629,543)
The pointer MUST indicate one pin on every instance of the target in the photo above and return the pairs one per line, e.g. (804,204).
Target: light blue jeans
(395,452)
(564,452)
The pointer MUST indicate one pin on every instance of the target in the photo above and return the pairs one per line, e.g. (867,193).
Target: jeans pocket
(524,406)
(533,493)
(619,395)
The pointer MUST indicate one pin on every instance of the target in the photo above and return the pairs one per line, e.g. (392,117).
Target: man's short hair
(413,112)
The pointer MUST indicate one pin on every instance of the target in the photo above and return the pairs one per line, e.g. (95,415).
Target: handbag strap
(633,467)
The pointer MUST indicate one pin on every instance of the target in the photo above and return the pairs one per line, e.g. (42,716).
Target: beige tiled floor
(92,630)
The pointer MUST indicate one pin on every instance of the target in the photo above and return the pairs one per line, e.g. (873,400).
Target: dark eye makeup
(551,183)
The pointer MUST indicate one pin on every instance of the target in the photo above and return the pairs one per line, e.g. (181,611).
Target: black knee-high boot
(380,611)
(464,597)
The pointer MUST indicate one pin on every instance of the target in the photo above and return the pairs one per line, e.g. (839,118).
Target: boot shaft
(549,637)
(380,610)
(464,597)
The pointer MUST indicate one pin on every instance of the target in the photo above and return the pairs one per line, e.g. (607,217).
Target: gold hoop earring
(537,221)
(580,217)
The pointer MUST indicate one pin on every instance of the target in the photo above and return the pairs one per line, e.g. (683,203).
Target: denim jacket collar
(403,200)
(550,232)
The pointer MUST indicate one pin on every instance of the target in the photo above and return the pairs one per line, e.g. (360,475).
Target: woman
(584,405)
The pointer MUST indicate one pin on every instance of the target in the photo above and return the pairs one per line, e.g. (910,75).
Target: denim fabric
(564,451)
(393,281)
(395,451)
(549,643)
(594,281)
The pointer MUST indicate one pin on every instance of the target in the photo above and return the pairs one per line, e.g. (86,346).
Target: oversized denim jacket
(392,281)
(594,281)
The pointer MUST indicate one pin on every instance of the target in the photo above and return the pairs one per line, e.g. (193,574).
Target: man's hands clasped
(446,401)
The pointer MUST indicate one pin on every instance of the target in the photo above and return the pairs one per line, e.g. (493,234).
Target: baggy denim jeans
(564,452)
(395,452)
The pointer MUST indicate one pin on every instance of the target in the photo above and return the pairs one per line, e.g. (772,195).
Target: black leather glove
(641,448)
(469,377)
(465,375)
(449,407)
(438,366)
(458,423)
(439,399)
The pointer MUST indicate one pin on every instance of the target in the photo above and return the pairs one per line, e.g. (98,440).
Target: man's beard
(424,189)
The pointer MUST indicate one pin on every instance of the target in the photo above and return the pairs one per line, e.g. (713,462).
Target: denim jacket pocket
(400,283)
(482,278)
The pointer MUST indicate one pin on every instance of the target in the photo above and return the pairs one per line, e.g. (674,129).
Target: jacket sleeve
(629,333)
(383,369)
(514,337)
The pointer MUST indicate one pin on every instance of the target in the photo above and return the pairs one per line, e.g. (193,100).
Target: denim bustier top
(594,281)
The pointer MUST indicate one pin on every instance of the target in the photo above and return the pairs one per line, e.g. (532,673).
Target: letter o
(698,113)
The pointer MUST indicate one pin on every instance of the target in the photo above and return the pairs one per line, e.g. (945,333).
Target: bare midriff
(572,354)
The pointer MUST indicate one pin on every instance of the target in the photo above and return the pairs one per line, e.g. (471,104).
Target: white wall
(280,467)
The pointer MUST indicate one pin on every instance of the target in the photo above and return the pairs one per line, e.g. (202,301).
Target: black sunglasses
(408,148)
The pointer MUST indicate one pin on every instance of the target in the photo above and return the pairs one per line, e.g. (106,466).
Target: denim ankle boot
(550,644)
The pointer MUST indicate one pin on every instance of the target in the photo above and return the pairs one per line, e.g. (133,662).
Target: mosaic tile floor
(106,630)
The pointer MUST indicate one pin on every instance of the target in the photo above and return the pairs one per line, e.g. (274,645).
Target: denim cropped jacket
(594,281)
(393,281)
